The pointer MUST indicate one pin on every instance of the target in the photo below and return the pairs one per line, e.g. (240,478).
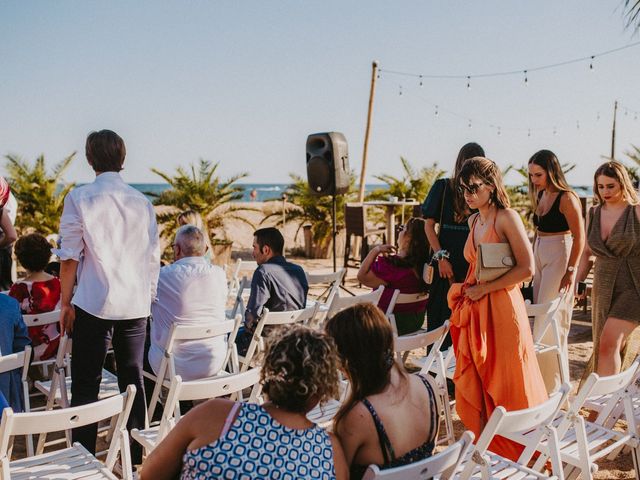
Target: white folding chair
(204,389)
(246,266)
(614,405)
(403,299)
(182,333)
(546,321)
(536,422)
(74,461)
(332,282)
(433,362)
(340,303)
(582,442)
(440,466)
(15,361)
(241,297)
(271,319)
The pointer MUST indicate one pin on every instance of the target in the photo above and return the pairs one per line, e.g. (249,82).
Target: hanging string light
(469,123)
(526,79)
(400,90)
(529,133)
(577,124)
(499,131)
(436,110)
(589,58)
(555,131)
(420,80)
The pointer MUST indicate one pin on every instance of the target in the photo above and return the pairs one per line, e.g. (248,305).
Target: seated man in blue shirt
(277,284)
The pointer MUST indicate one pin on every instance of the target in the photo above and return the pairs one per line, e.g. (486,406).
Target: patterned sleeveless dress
(257,446)
(616,280)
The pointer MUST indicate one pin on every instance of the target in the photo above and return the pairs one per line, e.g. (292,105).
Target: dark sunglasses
(472,189)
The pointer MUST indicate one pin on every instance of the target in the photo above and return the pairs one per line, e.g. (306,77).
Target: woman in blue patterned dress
(225,439)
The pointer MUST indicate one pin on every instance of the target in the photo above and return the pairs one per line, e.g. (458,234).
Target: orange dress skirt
(496,363)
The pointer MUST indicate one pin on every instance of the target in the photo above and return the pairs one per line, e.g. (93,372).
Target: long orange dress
(495,359)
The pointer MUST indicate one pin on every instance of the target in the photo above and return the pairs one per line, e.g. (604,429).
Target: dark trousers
(91,338)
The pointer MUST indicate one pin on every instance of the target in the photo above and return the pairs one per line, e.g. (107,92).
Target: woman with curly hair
(225,439)
(390,418)
(402,271)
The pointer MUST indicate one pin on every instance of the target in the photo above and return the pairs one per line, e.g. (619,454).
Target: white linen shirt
(192,292)
(110,228)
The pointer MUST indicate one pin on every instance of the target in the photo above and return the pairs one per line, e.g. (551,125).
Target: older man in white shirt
(109,243)
(192,292)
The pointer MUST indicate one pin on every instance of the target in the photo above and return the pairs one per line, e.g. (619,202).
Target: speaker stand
(334,233)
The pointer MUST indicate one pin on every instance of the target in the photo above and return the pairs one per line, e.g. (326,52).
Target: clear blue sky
(245,82)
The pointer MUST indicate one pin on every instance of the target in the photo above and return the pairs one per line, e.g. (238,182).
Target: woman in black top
(557,248)
(445,206)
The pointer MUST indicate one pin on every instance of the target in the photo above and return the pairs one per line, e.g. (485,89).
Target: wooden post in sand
(363,172)
(613,131)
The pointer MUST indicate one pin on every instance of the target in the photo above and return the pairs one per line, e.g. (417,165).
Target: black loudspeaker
(327,163)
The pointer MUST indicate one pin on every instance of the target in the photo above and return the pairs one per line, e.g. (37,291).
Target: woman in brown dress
(613,237)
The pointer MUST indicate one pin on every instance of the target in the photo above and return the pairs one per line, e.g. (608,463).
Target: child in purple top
(402,271)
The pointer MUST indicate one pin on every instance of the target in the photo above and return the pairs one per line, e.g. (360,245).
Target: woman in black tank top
(557,248)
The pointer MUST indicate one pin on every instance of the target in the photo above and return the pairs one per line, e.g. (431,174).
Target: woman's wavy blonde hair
(488,173)
(300,368)
(617,171)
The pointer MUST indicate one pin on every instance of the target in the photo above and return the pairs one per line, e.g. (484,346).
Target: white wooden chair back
(15,361)
(403,299)
(246,266)
(41,319)
(340,303)
(440,466)
(244,287)
(536,419)
(274,319)
(181,333)
(58,420)
(332,280)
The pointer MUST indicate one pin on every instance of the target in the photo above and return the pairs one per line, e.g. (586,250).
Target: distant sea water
(264,191)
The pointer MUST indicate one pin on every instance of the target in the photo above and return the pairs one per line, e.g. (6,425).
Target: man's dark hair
(105,151)
(33,252)
(272,237)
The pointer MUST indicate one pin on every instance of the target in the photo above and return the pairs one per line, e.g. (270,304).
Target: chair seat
(108,386)
(323,415)
(147,437)
(500,467)
(70,463)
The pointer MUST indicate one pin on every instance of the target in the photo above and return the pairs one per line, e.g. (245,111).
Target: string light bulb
(526,79)
(598,116)
(529,133)
(400,90)
(420,80)
(578,124)
(437,110)
(468,83)
(555,131)
(469,123)
(499,131)
(591,63)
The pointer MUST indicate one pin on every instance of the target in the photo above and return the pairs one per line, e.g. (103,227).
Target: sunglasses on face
(472,189)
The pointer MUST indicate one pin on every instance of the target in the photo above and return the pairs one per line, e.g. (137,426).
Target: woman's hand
(565,282)
(477,291)
(386,249)
(445,269)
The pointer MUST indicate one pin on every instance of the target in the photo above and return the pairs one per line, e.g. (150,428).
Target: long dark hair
(364,339)
(460,208)
(418,251)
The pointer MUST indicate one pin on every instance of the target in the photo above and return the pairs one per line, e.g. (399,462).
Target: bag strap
(444,194)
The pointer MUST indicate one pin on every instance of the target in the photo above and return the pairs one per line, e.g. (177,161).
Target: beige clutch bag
(493,261)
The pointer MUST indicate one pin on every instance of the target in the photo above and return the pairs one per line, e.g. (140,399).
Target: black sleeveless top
(419,453)
(553,221)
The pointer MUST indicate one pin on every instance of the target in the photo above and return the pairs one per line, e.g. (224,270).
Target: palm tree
(305,208)
(413,184)
(201,190)
(634,156)
(632,13)
(40,198)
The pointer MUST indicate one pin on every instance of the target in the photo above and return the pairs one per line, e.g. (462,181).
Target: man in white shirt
(193,292)
(109,244)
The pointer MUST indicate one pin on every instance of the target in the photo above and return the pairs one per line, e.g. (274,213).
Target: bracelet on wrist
(441,255)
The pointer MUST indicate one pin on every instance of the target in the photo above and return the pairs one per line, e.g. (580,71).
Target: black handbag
(527,291)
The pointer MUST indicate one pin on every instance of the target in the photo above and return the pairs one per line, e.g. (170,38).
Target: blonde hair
(619,172)
(548,161)
(300,365)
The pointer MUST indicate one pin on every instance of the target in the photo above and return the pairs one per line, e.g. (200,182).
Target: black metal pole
(334,229)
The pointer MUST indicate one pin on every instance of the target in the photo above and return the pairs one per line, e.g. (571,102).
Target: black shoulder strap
(433,407)
(383,439)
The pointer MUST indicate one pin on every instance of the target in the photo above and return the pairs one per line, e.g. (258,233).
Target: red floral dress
(40,297)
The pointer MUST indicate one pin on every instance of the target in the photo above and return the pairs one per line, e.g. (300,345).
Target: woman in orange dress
(495,359)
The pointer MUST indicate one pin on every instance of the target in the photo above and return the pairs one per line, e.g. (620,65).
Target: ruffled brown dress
(616,280)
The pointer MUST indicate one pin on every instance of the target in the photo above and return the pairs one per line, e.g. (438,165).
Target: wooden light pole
(613,131)
(374,74)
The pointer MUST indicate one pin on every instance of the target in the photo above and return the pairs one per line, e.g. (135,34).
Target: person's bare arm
(68,271)
(8,234)
(445,269)
(365,275)
(339,462)
(349,432)
(572,210)
(509,226)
